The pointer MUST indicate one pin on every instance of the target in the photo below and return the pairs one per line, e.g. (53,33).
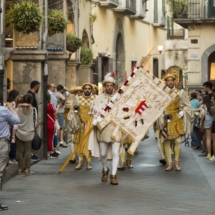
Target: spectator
(208,88)
(25,133)
(196,139)
(206,122)
(199,95)
(51,90)
(51,113)
(213,127)
(61,101)
(11,99)
(34,88)
(7,117)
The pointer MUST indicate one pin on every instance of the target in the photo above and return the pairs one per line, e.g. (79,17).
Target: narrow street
(145,189)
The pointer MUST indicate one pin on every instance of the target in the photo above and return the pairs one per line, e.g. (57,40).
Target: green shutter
(155,11)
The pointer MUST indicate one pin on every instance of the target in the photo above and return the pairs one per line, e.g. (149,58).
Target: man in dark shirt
(208,88)
(34,88)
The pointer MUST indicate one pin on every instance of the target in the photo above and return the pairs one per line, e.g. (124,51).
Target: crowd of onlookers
(26,107)
(203,136)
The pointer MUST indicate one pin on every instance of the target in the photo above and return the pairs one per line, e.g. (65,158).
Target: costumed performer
(178,122)
(82,105)
(101,144)
(75,91)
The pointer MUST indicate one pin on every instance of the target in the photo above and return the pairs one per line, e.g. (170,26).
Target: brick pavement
(146,189)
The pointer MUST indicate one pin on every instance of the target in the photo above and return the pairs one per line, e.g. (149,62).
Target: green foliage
(57,22)
(72,42)
(92,18)
(25,17)
(86,56)
(178,9)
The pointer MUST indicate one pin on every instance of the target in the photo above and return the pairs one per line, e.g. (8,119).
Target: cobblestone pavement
(146,189)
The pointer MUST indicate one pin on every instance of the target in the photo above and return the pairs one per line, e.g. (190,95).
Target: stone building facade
(197,18)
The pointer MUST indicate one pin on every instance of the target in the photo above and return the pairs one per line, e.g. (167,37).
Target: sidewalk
(12,170)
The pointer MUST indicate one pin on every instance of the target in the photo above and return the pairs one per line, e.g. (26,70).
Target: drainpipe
(76,16)
(2,6)
(45,78)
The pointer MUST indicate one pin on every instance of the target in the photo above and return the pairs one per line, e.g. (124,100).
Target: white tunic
(99,103)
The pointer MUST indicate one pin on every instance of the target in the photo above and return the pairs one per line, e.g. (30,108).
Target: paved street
(145,189)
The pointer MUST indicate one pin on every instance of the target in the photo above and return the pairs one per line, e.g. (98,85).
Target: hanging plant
(92,18)
(24,17)
(57,22)
(86,56)
(72,42)
(178,9)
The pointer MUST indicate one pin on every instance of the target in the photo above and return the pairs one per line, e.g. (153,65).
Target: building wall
(139,37)
(84,21)
(196,64)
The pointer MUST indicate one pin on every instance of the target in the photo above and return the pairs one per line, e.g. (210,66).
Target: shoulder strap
(50,118)
(34,118)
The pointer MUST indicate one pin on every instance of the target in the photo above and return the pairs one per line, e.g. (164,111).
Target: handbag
(37,140)
(56,124)
(73,122)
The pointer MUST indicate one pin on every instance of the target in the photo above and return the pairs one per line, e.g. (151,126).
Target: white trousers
(115,155)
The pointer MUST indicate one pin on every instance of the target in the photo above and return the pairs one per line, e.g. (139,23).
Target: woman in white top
(25,133)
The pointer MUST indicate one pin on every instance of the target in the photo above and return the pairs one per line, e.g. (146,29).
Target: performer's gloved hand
(95,122)
(181,114)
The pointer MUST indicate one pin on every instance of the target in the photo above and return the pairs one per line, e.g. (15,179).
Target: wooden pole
(75,150)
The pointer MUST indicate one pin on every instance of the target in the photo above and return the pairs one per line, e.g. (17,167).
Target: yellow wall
(139,37)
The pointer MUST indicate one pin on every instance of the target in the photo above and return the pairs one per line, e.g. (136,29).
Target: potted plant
(72,42)
(86,56)
(25,17)
(92,18)
(57,22)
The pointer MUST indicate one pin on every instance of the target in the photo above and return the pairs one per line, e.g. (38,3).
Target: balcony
(126,7)
(176,34)
(140,10)
(109,3)
(193,12)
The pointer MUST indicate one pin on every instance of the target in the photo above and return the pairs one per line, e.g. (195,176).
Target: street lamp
(160,49)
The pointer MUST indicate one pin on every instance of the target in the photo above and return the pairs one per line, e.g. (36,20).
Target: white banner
(137,105)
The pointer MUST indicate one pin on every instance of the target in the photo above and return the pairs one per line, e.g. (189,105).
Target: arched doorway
(120,60)
(211,67)
(119,52)
(205,63)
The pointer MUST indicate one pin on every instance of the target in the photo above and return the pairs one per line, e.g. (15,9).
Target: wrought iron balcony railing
(193,9)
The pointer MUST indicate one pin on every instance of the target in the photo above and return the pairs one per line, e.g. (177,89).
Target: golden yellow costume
(175,127)
(83,103)
(180,124)
(125,156)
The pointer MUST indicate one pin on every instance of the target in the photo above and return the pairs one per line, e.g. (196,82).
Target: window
(155,11)
(155,67)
